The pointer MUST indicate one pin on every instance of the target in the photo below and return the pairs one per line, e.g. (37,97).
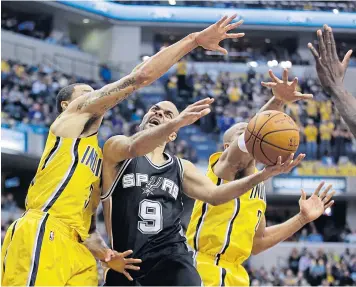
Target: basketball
(271,134)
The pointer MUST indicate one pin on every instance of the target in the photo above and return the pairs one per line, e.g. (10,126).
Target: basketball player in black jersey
(142,196)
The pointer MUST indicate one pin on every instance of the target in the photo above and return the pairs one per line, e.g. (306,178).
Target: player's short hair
(65,94)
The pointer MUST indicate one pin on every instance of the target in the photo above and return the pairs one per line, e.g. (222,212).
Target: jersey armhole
(120,172)
(181,169)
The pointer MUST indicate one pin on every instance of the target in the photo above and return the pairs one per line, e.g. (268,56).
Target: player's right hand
(285,167)
(194,112)
(284,90)
(210,37)
(120,263)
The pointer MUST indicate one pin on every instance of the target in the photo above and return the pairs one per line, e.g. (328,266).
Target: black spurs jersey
(146,205)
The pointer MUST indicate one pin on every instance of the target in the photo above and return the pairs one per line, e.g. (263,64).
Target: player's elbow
(258,247)
(256,250)
(214,200)
(134,150)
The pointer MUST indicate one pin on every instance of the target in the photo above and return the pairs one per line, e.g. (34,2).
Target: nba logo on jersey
(51,236)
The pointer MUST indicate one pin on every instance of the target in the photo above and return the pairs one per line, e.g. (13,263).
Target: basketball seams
(279,147)
(253,146)
(261,148)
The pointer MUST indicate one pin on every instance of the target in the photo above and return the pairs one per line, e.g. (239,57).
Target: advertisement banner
(13,140)
(291,185)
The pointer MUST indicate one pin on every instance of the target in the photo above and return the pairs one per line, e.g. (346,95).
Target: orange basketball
(271,134)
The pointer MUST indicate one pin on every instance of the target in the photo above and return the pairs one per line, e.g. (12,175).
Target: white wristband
(241,143)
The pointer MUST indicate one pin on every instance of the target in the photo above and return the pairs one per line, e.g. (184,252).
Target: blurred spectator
(294,261)
(304,261)
(315,236)
(326,129)
(105,73)
(311,133)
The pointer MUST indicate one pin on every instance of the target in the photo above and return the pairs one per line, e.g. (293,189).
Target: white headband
(241,143)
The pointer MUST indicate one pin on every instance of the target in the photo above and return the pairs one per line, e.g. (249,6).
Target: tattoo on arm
(117,88)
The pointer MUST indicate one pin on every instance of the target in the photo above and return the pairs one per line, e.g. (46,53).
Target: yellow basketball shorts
(40,250)
(223,274)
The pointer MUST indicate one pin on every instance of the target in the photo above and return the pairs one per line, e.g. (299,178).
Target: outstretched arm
(98,102)
(198,186)
(310,209)
(119,148)
(331,73)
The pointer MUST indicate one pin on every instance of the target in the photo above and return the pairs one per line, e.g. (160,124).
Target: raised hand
(121,264)
(283,90)
(313,207)
(330,70)
(285,167)
(210,37)
(194,112)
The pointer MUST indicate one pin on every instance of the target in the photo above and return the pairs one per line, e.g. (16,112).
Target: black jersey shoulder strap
(120,172)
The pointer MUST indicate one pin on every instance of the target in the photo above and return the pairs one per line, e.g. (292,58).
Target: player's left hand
(285,167)
(210,37)
(313,207)
(284,90)
(120,263)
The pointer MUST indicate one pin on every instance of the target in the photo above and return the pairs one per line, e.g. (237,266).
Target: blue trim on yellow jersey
(36,260)
(69,176)
(231,223)
(204,209)
(54,148)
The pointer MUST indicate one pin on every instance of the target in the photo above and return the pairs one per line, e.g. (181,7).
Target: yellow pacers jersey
(68,176)
(226,232)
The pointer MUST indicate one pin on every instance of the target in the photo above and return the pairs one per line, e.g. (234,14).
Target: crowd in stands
(307,268)
(342,6)
(28,96)
(260,49)
(34,25)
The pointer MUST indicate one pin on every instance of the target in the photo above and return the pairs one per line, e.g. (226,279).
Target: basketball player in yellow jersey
(44,247)
(224,236)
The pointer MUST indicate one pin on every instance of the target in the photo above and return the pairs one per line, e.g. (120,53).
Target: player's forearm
(236,188)
(99,101)
(160,63)
(147,140)
(346,105)
(273,104)
(96,244)
(277,233)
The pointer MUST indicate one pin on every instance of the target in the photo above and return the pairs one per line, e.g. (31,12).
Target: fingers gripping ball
(271,134)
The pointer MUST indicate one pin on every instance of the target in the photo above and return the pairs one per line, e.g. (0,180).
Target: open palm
(210,37)
(283,90)
(120,263)
(330,70)
(313,207)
